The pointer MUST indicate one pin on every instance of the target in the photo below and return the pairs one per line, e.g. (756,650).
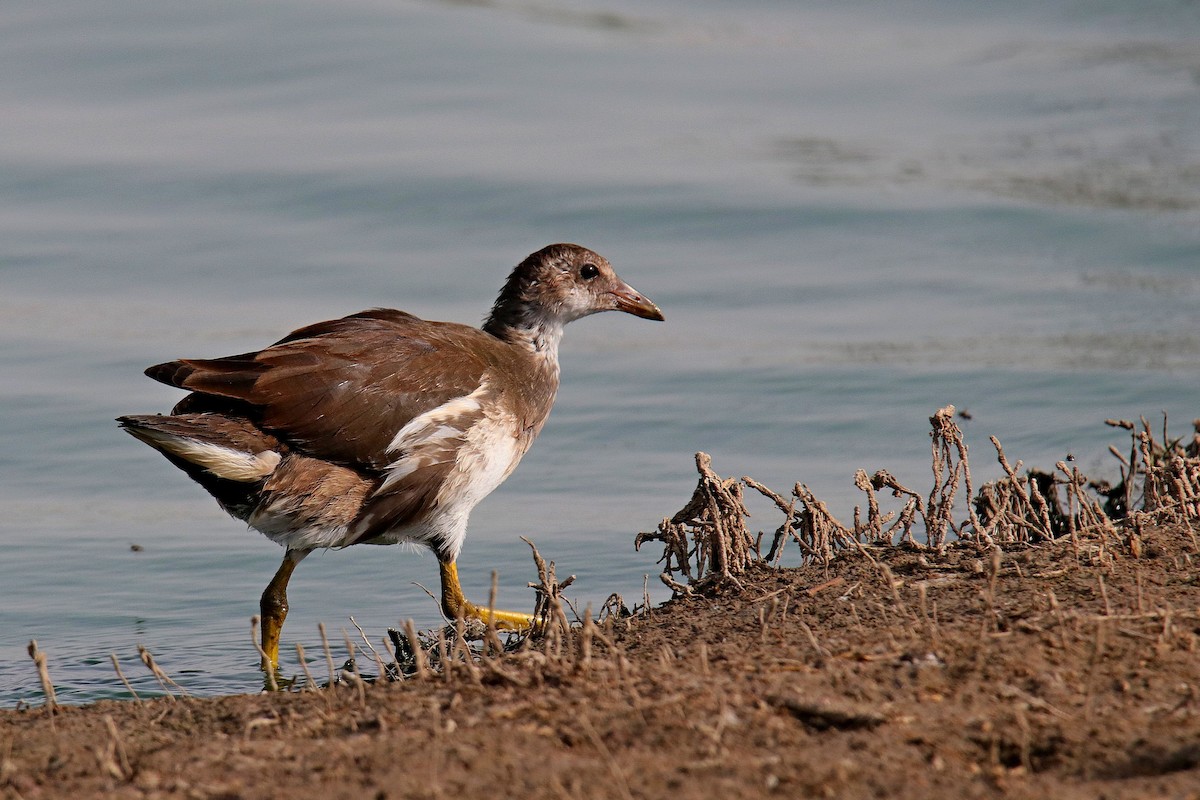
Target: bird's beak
(633,302)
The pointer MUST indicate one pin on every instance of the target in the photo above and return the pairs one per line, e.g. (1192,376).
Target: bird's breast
(490,451)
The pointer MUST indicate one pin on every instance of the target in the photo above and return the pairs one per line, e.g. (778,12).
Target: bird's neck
(526,325)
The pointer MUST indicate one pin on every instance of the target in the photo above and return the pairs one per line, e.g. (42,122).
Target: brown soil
(1066,670)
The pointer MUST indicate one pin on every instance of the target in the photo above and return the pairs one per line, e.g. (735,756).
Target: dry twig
(117,666)
(163,679)
(39,660)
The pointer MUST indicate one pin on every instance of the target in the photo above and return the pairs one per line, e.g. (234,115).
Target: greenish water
(852,214)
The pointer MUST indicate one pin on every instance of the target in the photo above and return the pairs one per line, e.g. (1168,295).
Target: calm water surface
(851,213)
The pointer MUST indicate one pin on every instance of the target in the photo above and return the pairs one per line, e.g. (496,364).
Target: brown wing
(341,390)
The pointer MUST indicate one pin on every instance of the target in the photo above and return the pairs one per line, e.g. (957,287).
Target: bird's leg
(455,604)
(274,607)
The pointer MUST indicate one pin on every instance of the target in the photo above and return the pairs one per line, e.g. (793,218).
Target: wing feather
(341,390)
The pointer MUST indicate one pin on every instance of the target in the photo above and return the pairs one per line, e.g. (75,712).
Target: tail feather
(223,447)
(296,501)
(232,376)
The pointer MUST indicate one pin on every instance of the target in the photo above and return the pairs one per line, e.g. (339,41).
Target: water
(851,214)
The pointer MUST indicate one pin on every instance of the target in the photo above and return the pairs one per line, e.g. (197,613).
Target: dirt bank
(1060,670)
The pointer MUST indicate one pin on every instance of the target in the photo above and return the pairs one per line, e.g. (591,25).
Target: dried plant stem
(374,653)
(490,635)
(1104,594)
(39,661)
(443,655)
(419,659)
(462,650)
(548,611)
(874,526)
(585,640)
(162,677)
(300,656)
(889,580)
(328,653)
(117,748)
(272,684)
(788,528)
(674,585)
(945,479)
(812,639)
(821,533)
(129,688)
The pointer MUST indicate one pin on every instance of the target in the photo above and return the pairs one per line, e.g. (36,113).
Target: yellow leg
(274,608)
(456,605)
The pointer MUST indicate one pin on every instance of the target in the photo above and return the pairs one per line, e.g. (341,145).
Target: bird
(381,427)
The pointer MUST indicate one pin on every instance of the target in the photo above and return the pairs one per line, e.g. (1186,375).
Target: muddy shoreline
(1065,669)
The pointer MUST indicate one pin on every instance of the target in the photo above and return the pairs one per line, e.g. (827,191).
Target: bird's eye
(588,271)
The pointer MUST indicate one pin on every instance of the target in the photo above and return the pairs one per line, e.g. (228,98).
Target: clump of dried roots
(707,541)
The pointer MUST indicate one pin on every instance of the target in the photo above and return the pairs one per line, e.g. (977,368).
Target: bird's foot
(455,605)
(500,620)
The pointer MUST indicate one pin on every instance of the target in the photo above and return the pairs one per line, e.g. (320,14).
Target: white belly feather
(485,445)
(482,445)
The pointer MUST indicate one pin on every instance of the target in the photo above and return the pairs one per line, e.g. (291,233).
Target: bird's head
(561,283)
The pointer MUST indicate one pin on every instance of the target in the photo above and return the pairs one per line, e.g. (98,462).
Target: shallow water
(851,214)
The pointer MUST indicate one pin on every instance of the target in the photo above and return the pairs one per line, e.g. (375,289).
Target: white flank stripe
(438,423)
(398,470)
(429,430)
